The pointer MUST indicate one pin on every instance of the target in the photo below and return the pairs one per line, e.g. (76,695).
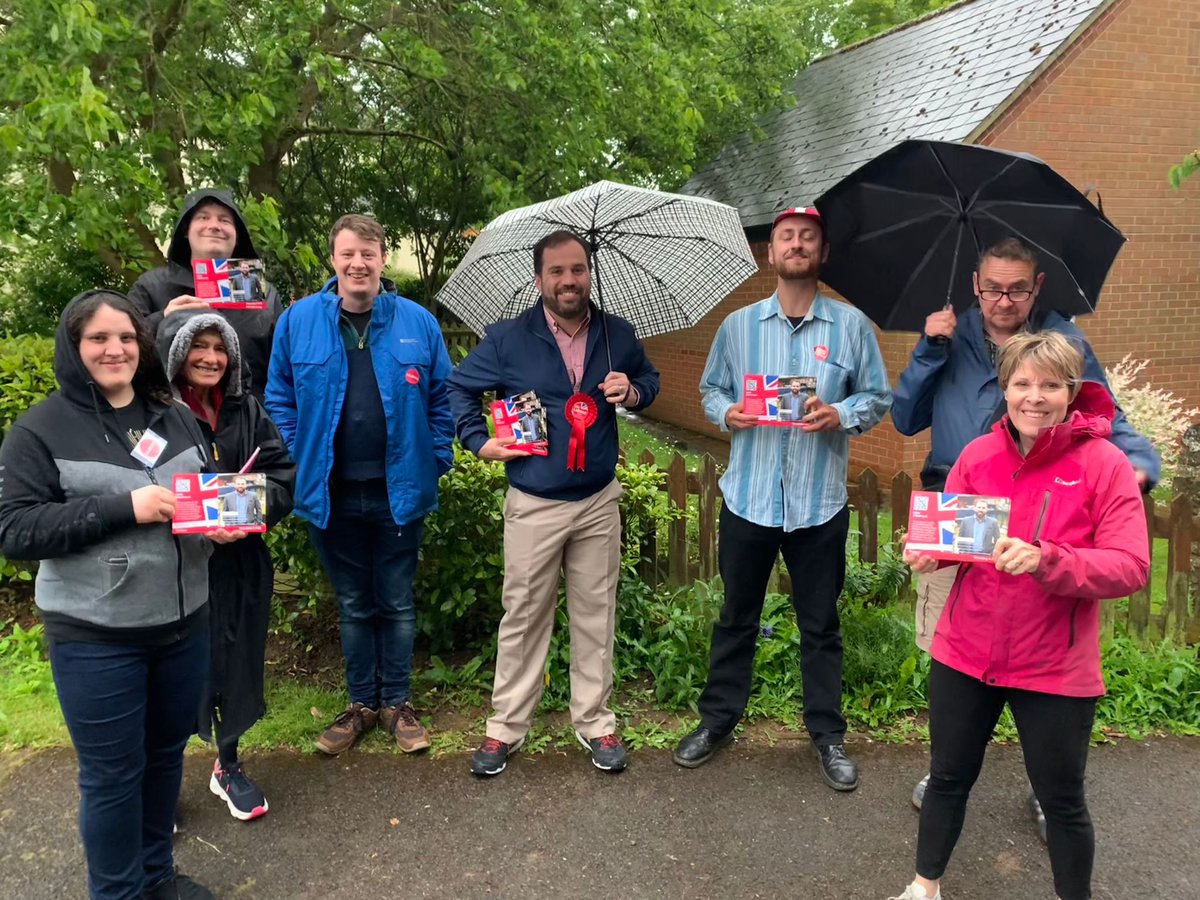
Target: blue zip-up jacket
(952,388)
(520,354)
(307,385)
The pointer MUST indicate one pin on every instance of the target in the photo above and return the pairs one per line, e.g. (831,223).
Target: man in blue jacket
(951,387)
(357,387)
(560,514)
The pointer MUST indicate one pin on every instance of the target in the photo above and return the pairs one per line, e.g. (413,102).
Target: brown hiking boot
(347,729)
(402,722)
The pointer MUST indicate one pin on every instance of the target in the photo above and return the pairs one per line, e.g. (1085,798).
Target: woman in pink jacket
(1025,629)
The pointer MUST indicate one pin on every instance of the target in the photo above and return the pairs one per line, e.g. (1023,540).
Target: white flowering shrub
(1157,414)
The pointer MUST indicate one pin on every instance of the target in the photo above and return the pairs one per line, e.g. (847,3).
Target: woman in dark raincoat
(203,360)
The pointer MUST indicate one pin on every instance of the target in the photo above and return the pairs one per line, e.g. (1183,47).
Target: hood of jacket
(75,382)
(180,251)
(1088,416)
(175,336)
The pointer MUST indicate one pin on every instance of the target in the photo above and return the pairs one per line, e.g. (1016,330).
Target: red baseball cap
(809,211)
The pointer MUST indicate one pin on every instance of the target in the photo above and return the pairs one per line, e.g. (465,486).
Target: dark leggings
(1054,732)
(227,750)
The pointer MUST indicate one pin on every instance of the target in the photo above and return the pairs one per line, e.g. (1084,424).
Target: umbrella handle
(941,341)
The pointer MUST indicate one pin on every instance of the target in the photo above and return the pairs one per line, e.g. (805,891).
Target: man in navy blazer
(561,513)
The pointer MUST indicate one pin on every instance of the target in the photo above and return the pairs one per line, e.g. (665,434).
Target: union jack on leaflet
(198,503)
(947,513)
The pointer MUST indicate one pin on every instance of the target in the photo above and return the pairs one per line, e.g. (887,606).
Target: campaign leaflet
(523,417)
(230,283)
(777,399)
(958,527)
(205,502)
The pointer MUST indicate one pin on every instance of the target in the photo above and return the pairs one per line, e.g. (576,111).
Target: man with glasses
(950,387)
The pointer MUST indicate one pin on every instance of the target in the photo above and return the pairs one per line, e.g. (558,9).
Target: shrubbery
(37,280)
(26,375)
(1156,413)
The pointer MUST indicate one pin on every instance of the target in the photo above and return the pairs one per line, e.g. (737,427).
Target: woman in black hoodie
(83,488)
(202,355)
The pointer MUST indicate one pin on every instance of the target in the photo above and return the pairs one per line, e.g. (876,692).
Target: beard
(568,309)
(798,268)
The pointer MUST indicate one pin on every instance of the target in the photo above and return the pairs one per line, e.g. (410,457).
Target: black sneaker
(179,887)
(241,795)
(608,753)
(492,756)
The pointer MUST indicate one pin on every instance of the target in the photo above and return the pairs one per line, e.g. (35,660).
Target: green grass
(29,711)
(639,436)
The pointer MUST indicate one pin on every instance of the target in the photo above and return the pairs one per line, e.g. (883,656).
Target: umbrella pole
(600,303)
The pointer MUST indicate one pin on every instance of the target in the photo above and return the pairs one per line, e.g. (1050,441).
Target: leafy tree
(857,20)
(434,115)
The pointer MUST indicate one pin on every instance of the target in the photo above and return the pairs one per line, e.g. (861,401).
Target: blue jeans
(130,710)
(371,561)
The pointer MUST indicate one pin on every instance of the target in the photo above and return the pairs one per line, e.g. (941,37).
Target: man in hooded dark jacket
(211,226)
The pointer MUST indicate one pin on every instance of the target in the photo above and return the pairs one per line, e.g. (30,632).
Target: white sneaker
(915,892)
(918,794)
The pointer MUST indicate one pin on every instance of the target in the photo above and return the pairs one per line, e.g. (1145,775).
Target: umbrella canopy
(906,230)
(661,261)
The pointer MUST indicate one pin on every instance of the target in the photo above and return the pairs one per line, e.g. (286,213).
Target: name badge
(149,449)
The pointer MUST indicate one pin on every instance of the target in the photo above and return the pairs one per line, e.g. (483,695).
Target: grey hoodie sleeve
(37,521)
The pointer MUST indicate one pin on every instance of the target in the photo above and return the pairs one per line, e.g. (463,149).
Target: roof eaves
(1016,93)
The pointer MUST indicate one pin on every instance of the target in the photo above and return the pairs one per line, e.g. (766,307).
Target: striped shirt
(784,477)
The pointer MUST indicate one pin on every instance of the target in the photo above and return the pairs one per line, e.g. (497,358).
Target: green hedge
(26,375)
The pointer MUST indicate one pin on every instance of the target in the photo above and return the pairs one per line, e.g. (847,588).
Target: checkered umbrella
(661,261)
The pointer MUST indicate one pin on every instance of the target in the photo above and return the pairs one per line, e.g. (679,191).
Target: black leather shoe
(698,747)
(838,770)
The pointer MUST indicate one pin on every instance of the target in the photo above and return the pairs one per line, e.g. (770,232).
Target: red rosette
(581,414)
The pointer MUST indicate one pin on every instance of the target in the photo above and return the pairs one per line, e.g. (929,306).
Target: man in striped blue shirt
(785,488)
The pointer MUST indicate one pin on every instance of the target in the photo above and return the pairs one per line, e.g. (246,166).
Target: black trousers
(1054,732)
(816,561)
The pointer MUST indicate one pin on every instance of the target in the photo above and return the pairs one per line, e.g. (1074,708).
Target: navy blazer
(519,355)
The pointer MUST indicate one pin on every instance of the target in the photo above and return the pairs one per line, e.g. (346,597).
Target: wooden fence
(459,336)
(1159,610)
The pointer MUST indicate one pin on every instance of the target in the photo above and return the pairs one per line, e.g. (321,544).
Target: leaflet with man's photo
(231,283)
(205,502)
(958,527)
(522,417)
(777,399)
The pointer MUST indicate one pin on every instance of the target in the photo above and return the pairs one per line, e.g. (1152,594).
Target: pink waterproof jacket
(1076,496)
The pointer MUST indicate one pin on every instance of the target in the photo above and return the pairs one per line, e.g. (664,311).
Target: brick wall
(1116,110)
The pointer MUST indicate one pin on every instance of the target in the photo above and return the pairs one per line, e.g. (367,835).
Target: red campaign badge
(149,448)
(581,414)
(821,352)
(412,376)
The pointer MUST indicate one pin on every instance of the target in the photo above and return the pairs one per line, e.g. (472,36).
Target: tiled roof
(940,77)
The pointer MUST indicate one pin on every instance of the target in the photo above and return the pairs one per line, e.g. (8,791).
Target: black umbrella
(906,230)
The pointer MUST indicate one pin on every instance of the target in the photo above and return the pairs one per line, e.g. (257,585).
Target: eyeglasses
(1014,296)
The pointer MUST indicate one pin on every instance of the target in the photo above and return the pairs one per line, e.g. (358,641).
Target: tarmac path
(755,822)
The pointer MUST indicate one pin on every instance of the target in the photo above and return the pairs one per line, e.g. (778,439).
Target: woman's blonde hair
(1046,351)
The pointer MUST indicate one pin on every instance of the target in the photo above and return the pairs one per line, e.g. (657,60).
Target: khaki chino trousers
(544,539)
(933,590)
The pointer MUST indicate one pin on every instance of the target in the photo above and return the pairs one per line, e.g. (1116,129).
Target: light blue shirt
(783,476)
